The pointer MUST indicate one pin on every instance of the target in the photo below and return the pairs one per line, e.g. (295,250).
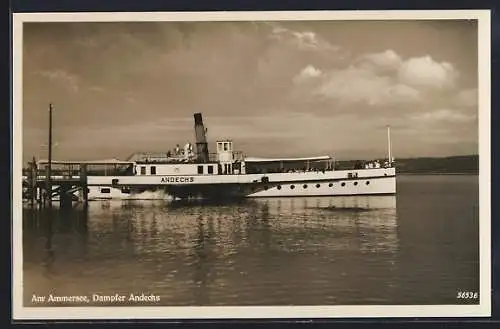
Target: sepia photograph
(251,165)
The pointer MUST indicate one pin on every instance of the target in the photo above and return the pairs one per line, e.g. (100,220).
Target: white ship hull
(374,186)
(302,184)
(380,181)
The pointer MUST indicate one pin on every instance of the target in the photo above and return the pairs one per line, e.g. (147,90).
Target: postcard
(215,165)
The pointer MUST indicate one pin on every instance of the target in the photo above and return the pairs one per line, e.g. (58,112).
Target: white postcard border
(19,312)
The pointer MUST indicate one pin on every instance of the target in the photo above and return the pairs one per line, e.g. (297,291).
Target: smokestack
(201,138)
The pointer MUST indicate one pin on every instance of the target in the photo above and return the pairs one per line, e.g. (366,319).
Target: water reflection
(414,249)
(265,223)
(260,251)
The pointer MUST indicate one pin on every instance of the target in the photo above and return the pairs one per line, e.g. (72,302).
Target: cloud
(305,41)
(62,77)
(307,73)
(114,74)
(302,40)
(97,89)
(358,85)
(467,98)
(255,135)
(127,138)
(425,72)
(386,61)
(379,79)
(446,115)
(308,40)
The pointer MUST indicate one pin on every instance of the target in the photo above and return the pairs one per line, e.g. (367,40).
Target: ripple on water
(416,248)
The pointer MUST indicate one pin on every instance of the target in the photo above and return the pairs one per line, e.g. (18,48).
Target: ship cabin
(289,165)
(225,162)
(156,164)
(230,161)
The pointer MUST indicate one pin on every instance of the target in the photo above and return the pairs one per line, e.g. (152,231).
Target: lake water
(419,247)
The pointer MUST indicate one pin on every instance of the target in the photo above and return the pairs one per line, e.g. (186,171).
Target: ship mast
(389,148)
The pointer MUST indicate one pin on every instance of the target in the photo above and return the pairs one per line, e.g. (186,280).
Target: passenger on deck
(186,151)
(190,149)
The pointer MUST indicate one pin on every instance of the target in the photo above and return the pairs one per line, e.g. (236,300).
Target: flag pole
(389,148)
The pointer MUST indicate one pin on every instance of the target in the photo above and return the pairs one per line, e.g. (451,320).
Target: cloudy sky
(276,88)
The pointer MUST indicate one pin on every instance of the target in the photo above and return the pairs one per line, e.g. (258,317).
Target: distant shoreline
(452,165)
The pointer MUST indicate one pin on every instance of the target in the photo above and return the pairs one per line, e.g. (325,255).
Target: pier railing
(41,185)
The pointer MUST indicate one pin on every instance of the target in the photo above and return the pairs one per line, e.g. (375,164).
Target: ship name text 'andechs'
(177,179)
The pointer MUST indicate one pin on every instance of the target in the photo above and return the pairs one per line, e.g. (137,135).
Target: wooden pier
(43,185)
(38,186)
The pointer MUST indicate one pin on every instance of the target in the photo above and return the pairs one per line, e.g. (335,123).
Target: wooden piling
(33,177)
(65,197)
(62,196)
(84,184)
(48,187)
(48,168)
(29,192)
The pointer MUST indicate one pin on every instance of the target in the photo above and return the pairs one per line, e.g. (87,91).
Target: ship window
(292,187)
(105,190)
(331,184)
(143,170)
(355,183)
(225,146)
(210,169)
(317,185)
(305,185)
(200,169)
(343,184)
(219,146)
(153,170)
(367,182)
(279,187)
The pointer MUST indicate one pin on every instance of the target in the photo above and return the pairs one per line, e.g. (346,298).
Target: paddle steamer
(193,172)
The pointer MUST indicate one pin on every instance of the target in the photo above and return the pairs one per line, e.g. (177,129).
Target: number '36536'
(467,295)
